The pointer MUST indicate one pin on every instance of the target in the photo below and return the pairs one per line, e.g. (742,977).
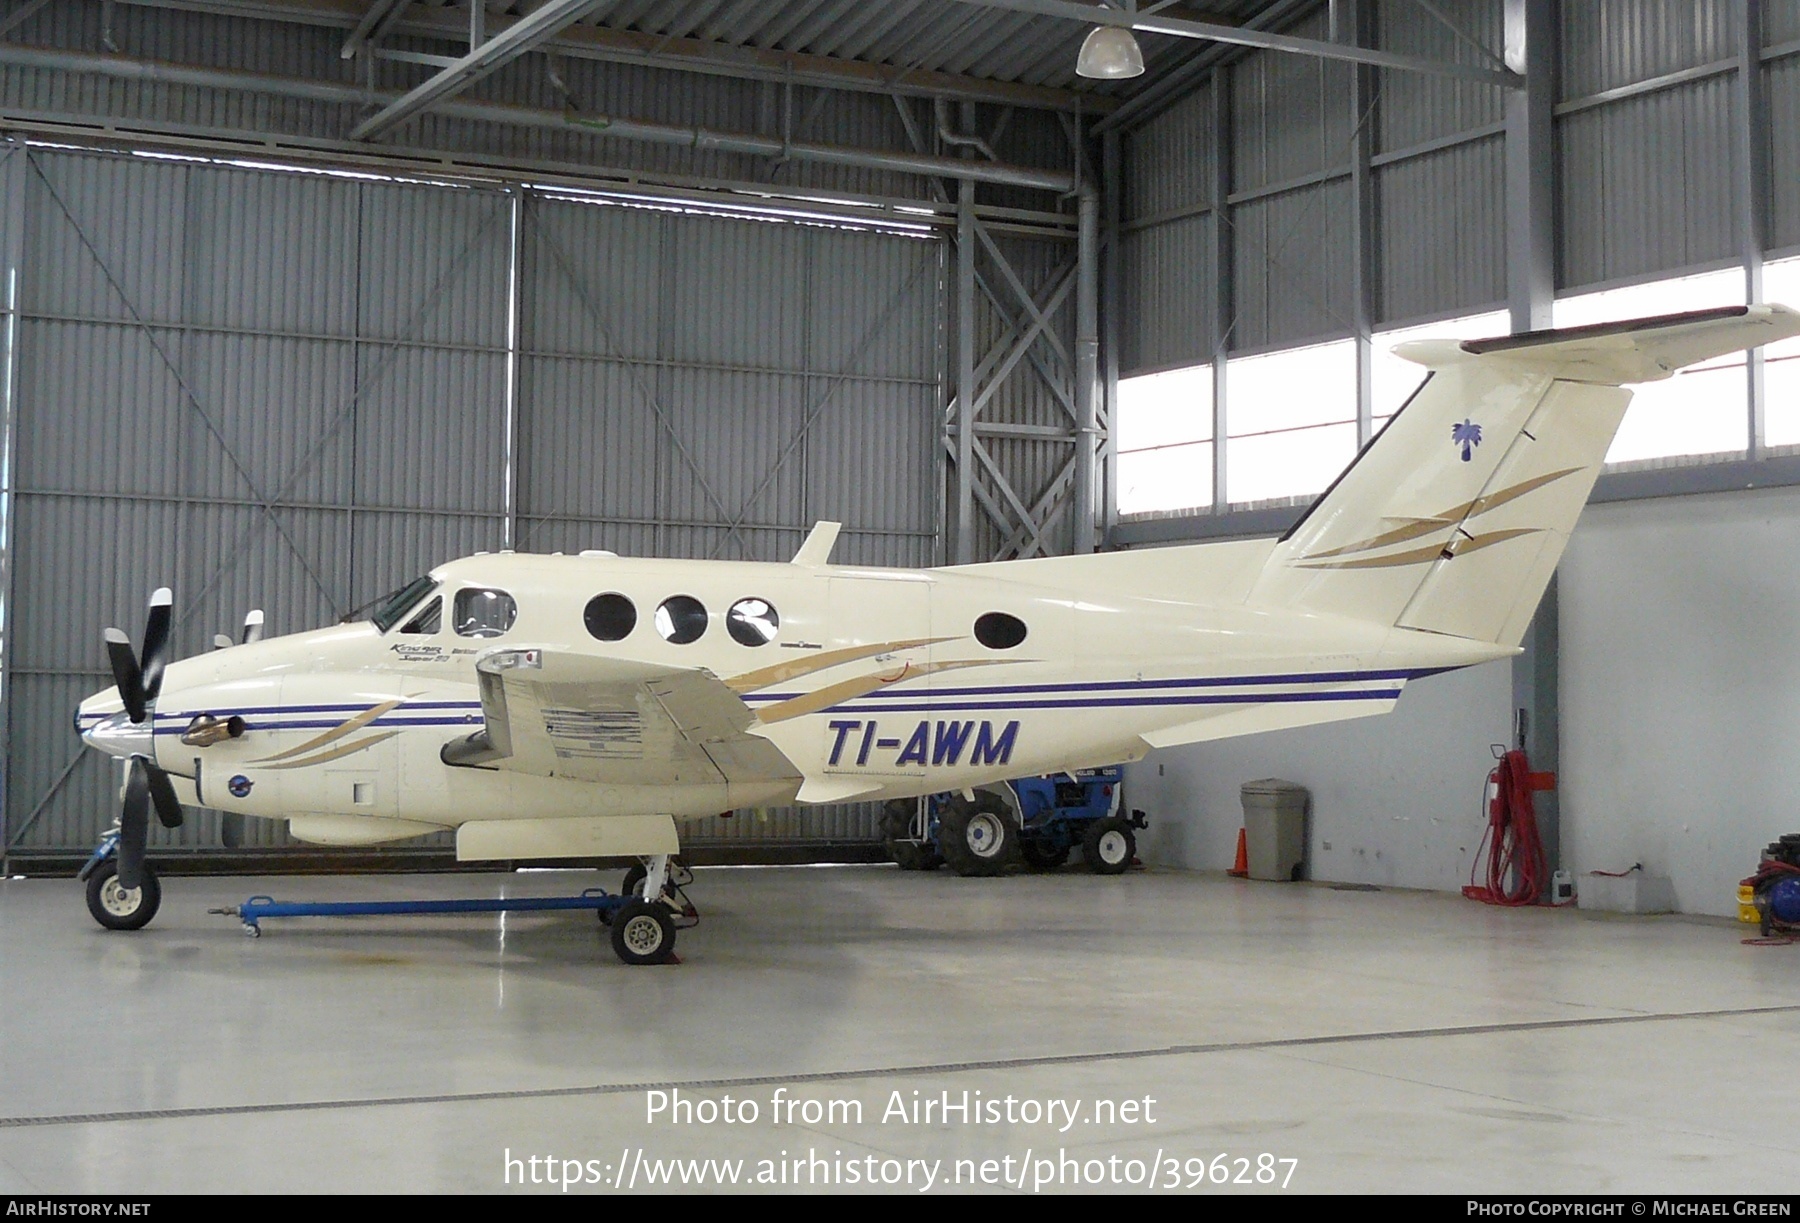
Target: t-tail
(1452,520)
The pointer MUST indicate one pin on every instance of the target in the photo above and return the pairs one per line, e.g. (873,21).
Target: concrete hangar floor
(1190,1029)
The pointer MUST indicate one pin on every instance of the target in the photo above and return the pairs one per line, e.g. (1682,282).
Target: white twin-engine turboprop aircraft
(582,706)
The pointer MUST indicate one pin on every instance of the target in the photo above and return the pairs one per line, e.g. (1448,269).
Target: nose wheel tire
(1109,846)
(643,933)
(979,837)
(118,909)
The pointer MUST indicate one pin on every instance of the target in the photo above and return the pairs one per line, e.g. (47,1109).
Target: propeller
(139,680)
(253,631)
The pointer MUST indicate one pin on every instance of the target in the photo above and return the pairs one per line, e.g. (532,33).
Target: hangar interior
(304,297)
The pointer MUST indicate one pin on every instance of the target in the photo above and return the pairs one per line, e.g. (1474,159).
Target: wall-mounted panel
(1167,284)
(1646,184)
(1290,114)
(1609,43)
(1168,161)
(1292,256)
(1442,231)
(1413,107)
(1783,79)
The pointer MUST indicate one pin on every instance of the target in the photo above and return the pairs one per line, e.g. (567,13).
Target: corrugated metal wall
(1646,174)
(198,343)
(1438,160)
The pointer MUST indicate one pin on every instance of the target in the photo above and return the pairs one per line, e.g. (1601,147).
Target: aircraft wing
(556,713)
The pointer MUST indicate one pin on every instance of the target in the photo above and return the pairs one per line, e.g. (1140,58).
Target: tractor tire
(981,837)
(1109,846)
(897,834)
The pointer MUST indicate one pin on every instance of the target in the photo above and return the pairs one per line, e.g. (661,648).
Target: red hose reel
(1517,872)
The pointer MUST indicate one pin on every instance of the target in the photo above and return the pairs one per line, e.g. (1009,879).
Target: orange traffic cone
(1241,868)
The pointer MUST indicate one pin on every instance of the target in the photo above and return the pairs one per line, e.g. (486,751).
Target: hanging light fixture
(1110,53)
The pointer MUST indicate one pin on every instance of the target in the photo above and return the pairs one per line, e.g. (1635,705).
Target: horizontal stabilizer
(1641,350)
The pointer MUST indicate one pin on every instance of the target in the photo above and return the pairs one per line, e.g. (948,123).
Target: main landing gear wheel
(116,908)
(979,837)
(643,932)
(1109,846)
(903,846)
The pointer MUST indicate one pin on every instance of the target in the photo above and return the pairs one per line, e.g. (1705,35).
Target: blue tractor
(1035,822)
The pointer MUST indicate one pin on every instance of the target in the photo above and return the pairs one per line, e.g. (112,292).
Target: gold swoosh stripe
(348,749)
(861,685)
(1399,535)
(1420,556)
(1451,516)
(750,681)
(349,727)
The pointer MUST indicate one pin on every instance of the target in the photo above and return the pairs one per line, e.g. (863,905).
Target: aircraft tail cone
(1241,868)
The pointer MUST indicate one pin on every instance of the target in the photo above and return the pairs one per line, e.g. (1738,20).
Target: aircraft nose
(119,736)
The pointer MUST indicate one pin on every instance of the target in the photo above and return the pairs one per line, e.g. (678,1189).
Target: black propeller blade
(134,824)
(139,677)
(126,675)
(156,642)
(162,794)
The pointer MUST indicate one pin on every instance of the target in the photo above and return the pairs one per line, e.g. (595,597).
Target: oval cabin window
(681,619)
(610,617)
(752,622)
(999,631)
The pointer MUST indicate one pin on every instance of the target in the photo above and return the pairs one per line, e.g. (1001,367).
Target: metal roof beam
(490,56)
(607,45)
(382,14)
(121,67)
(1180,27)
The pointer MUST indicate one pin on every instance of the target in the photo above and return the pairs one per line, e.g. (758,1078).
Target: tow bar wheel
(119,908)
(643,933)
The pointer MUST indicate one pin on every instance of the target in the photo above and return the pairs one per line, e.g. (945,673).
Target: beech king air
(554,707)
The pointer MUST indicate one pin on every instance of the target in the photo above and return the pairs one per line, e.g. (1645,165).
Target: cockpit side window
(402,601)
(430,618)
(484,613)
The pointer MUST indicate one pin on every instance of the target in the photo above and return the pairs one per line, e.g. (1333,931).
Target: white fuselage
(875,684)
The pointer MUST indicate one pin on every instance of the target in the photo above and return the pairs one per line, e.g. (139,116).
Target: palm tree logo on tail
(1467,435)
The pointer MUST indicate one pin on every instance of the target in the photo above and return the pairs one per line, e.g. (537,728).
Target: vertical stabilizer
(1454,517)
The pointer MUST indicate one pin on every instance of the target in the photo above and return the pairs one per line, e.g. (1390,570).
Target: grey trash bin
(1275,828)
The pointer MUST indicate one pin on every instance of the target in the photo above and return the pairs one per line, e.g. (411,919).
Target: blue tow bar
(259,908)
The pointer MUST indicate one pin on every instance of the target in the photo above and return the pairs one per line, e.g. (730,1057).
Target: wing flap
(553,713)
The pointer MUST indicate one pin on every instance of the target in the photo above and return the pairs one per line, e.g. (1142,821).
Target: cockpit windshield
(401,602)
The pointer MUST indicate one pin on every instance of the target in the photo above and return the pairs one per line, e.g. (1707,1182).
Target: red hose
(1517,873)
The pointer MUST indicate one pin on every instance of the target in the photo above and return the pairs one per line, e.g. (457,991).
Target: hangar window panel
(1701,410)
(1164,431)
(1394,379)
(1781,362)
(752,622)
(681,619)
(484,613)
(1293,463)
(1166,478)
(1290,421)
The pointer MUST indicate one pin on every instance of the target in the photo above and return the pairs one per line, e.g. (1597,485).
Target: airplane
(557,707)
